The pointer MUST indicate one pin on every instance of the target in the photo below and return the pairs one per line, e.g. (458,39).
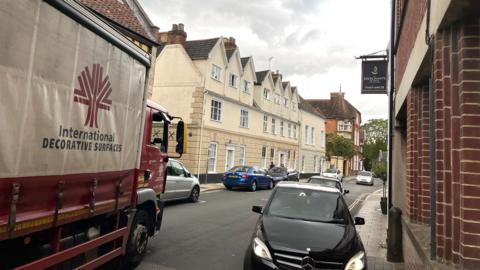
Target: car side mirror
(181,135)
(257,209)
(146,175)
(345,191)
(359,221)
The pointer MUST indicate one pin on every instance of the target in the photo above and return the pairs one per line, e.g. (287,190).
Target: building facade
(312,159)
(236,116)
(437,42)
(343,119)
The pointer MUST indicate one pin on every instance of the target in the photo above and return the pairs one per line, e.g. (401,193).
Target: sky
(313,43)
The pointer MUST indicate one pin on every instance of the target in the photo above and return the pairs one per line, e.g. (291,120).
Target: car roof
(324,177)
(301,185)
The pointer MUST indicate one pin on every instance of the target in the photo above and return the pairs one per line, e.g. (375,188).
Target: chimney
(229,43)
(175,36)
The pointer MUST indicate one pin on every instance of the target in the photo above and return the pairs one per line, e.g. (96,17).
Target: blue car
(250,177)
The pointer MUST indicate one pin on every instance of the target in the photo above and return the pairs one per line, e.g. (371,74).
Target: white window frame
(265,123)
(243,118)
(264,156)
(273,130)
(211,157)
(306,134)
(312,136)
(219,110)
(241,154)
(294,106)
(294,131)
(281,128)
(232,80)
(266,93)
(246,86)
(216,73)
(229,147)
(315,163)
(285,101)
(289,130)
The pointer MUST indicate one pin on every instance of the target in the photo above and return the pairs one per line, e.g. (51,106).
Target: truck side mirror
(181,135)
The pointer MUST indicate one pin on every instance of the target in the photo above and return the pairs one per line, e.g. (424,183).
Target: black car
(305,226)
(283,174)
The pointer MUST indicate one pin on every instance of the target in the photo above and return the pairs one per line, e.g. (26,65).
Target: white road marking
(201,201)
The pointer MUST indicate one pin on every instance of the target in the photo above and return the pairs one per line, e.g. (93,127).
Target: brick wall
(457,100)
(418,187)
(415,12)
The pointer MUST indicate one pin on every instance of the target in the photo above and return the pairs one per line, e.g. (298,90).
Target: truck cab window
(159,137)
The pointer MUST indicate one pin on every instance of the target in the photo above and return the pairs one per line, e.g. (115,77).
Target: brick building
(437,42)
(342,118)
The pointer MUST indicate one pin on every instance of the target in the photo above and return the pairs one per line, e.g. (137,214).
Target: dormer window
(246,86)
(232,80)
(216,72)
(266,94)
(285,102)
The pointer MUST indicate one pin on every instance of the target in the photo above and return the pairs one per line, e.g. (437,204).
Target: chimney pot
(181,26)
(174,27)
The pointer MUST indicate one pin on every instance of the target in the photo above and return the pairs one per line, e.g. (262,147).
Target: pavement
(374,233)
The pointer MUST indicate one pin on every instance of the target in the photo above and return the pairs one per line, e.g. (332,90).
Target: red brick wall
(456,75)
(331,126)
(415,11)
(418,187)
(457,100)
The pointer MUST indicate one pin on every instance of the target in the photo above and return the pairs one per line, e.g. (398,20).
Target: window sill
(243,127)
(217,121)
(217,80)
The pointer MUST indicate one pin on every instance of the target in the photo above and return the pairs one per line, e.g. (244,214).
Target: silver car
(328,182)
(181,184)
(365,178)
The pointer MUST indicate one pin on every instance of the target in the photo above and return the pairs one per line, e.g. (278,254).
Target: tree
(339,146)
(376,132)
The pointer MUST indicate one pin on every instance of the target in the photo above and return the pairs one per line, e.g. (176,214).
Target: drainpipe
(431,133)
(205,91)
(391,105)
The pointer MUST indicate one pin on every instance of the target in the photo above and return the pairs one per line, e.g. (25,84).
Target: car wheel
(270,185)
(194,194)
(253,187)
(138,239)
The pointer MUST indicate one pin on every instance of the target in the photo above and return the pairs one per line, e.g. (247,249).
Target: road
(215,232)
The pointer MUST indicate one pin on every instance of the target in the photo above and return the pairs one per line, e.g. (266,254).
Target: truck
(80,167)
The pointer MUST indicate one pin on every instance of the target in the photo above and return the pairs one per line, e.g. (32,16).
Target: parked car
(181,184)
(293,175)
(365,178)
(334,173)
(251,177)
(328,182)
(278,174)
(305,226)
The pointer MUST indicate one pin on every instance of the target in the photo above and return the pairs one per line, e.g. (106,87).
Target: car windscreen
(331,171)
(240,169)
(324,182)
(365,173)
(278,170)
(310,205)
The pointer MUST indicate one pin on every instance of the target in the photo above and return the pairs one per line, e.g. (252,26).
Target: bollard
(394,235)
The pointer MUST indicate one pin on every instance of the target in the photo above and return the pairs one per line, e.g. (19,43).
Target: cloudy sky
(311,42)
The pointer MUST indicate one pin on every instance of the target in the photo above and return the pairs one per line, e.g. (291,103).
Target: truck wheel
(138,238)
(194,194)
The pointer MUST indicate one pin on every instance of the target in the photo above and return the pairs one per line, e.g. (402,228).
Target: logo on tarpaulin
(94,91)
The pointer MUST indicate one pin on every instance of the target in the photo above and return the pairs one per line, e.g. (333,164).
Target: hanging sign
(374,77)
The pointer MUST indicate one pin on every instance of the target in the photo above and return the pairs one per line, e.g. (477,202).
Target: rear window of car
(324,182)
(365,173)
(240,169)
(309,205)
(278,170)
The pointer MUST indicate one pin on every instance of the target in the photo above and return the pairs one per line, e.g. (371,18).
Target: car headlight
(260,249)
(357,262)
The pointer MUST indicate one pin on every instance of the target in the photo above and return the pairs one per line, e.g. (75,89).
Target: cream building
(215,91)
(312,140)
